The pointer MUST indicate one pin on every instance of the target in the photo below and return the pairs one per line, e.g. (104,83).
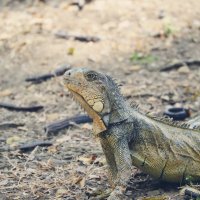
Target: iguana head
(97,94)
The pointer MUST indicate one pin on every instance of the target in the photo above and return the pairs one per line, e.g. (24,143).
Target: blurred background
(151,47)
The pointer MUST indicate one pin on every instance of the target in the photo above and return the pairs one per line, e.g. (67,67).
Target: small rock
(184,70)
(135,68)
(196,24)
(93,176)
(13,140)
(161,14)
(165,98)
(6,92)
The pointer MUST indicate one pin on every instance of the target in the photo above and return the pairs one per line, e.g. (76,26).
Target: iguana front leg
(110,159)
(122,158)
(119,163)
(118,159)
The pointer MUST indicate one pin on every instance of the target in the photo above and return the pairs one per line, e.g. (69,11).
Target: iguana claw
(117,194)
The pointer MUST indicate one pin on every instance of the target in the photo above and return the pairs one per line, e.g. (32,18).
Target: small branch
(10,125)
(32,145)
(40,78)
(18,108)
(86,38)
(81,38)
(44,77)
(65,123)
(174,66)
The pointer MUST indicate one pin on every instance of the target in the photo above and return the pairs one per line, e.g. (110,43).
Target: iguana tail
(194,122)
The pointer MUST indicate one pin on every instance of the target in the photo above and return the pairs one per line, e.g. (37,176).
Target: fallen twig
(44,77)
(22,109)
(32,145)
(81,38)
(180,64)
(86,38)
(65,123)
(40,78)
(10,125)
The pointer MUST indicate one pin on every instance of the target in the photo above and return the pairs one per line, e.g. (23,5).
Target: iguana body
(163,149)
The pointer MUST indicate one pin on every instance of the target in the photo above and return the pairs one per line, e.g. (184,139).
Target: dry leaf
(61,192)
(79,181)
(134,68)
(82,182)
(87,160)
(76,180)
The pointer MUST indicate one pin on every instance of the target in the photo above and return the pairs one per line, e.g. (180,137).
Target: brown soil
(152,33)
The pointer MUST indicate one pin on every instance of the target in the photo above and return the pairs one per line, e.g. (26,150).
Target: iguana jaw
(98,124)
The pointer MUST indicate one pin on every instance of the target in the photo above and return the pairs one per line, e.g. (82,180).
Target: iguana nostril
(66,76)
(67,73)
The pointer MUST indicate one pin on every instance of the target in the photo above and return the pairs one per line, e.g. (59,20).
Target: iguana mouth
(81,101)
(76,96)
(99,124)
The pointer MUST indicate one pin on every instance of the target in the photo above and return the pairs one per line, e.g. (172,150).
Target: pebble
(184,70)
(134,68)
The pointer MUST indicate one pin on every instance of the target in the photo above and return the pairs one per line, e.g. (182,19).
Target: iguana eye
(91,76)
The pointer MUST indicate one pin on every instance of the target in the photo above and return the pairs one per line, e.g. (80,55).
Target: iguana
(166,150)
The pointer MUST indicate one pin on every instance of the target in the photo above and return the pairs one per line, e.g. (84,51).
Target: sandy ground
(137,39)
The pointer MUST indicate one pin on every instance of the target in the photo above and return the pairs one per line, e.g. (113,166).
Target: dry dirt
(137,39)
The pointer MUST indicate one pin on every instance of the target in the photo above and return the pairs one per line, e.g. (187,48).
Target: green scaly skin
(163,149)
